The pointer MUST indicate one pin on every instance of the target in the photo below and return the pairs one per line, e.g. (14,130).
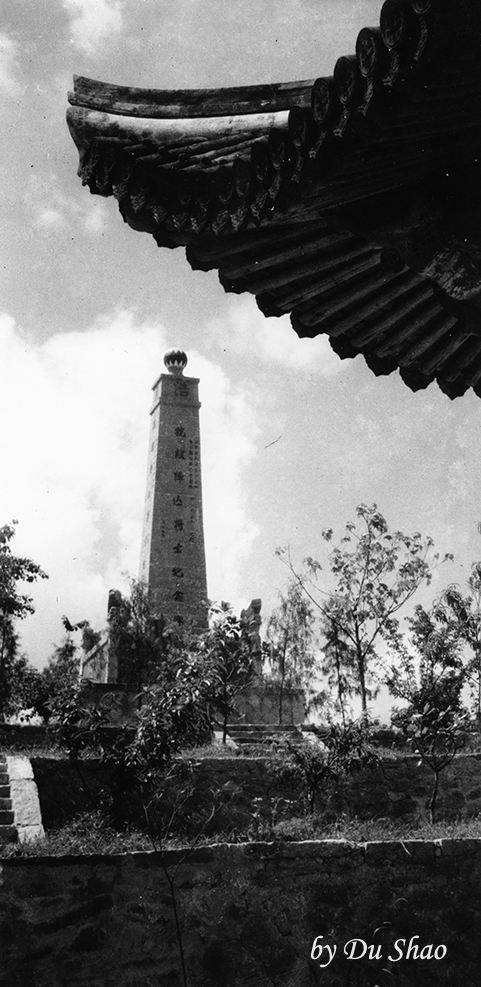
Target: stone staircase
(258,733)
(8,831)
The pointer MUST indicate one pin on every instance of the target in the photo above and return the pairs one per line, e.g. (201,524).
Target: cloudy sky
(293,438)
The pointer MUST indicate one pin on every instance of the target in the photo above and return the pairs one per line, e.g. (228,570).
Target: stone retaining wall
(399,789)
(249,916)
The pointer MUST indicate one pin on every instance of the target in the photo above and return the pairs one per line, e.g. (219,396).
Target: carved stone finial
(175,361)
(115,601)
(251,620)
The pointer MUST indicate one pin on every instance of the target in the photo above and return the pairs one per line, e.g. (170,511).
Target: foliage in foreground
(13,606)
(44,690)
(430,681)
(318,764)
(195,682)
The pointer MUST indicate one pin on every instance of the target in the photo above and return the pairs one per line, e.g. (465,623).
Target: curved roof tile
(350,202)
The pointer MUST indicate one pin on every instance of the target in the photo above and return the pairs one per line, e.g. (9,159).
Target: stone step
(5,802)
(4,791)
(247,739)
(258,733)
(8,834)
(262,727)
(6,817)
(4,779)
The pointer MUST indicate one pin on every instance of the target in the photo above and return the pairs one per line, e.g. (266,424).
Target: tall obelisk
(172,560)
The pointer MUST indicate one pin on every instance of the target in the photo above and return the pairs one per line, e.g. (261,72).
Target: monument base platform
(262,701)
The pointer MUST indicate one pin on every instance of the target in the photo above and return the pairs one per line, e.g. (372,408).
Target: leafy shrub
(317,764)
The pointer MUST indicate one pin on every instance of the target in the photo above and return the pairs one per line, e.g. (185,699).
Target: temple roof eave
(346,202)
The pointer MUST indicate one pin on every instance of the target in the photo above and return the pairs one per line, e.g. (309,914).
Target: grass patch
(216,750)
(27,749)
(90,833)
(364,830)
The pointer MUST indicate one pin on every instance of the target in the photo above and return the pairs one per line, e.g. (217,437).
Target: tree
(137,637)
(290,645)
(375,574)
(226,657)
(13,606)
(337,661)
(47,689)
(462,616)
(58,679)
(430,678)
(342,751)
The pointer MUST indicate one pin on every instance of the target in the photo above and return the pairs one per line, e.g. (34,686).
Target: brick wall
(249,915)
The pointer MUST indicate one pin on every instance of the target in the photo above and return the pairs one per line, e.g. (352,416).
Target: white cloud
(12,88)
(229,430)
(74,420)
(50,210)
(273,341)
(95,216)
(93,22)
(9,84)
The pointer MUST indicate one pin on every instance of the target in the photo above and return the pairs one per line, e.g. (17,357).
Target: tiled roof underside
(298,200)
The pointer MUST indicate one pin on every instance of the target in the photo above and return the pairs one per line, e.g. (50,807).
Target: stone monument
(172,560)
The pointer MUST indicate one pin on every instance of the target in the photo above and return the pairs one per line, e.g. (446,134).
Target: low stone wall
(247,915)
(65,789)
(23,736)
(398,789)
